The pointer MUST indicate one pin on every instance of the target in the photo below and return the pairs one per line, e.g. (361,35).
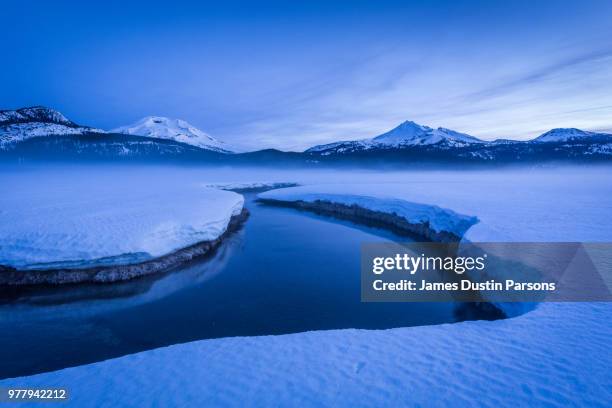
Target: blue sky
(291,74)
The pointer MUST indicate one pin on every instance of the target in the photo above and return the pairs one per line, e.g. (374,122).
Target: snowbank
(79,225)
(430,221)
(557,355)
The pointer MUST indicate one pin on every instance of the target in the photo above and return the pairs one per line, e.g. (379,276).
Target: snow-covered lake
(531,359)
(263,280)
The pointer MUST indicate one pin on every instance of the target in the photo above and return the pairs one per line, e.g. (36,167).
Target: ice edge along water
(432,219)
(529,360)
(64,228)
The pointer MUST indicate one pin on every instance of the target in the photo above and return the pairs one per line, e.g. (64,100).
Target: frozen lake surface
(529,360)
(286,271)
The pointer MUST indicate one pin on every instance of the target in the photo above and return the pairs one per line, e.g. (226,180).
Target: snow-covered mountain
(410,134)
(34,114)
(403,136)
(157,138)
(173,129)
(412,143)
(567,134)
(22,124)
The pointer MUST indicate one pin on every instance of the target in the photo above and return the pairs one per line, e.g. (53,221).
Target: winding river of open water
(285,271)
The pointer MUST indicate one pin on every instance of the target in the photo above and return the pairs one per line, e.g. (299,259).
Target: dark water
(286,271)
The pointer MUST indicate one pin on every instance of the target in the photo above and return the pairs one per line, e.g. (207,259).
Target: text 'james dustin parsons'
(464,285)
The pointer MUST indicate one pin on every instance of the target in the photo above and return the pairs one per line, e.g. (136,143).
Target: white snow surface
(554,356)
(173,129)
(376,199)
(521,207)
(85,222)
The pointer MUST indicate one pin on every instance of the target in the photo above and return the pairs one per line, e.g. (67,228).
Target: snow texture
(520,207)
(554,356)
(81,224)
(557,355)
(438,219)
(173,129)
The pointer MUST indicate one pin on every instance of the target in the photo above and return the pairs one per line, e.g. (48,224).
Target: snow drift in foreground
(555,356)
(173,129)
(84,224)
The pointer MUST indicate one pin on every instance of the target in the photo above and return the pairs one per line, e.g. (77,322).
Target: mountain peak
(406,134)
(411,133)
(174,129)
(36,121)
(562,135)
(409,124)
(406,131)
(40,114)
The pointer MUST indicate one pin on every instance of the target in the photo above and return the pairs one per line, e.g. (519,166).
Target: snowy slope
(556,355)
(173,129)
(406,134)
(567,134)
(22,124)
(83,222)
(410,133)
(34,114)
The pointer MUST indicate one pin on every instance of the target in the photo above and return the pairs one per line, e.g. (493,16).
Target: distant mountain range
(414,143)
(409,135)
(40,133)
